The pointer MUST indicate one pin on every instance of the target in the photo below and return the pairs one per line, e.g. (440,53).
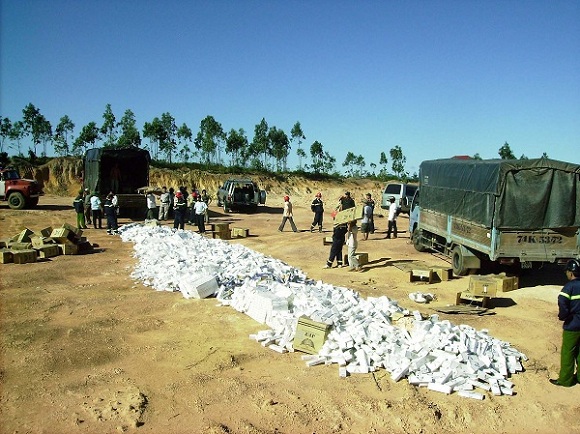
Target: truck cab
(19,192)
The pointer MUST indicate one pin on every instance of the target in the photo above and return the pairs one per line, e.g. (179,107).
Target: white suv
(403,194)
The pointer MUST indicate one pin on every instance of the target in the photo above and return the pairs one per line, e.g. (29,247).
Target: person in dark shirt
(111,214)
(317,207)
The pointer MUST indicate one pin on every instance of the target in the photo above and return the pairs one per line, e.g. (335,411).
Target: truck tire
(417,240)
(16,200)
(458,262)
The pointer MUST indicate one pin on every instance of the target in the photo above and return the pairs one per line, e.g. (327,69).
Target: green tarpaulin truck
(121,170)
(514,212)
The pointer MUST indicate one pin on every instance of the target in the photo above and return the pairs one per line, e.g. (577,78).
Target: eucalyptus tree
(130,136)
(383,161)
(398,161)
(317,155)
(209,138)
(109,128)
(298,135)
(88,136)
(237,146)
(279,147)
(5,130)
(261,143)
(156,134)
(355,163)
(62,131)
(17,134)
(36,125)
(169,145)
(185,136)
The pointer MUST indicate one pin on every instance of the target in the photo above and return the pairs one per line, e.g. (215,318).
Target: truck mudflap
(545,245)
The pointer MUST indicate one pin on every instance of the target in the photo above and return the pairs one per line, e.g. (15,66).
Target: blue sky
(437,78)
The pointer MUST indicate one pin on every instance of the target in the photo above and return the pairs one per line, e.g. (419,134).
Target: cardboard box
(4,244)
(326,241)
(363,258)
(46,231)
(199,288)
(78,232)
(68,249)
(24,256)
(348,215)
(24,236)
(469,298)
(222,231)
(310,335)
(443,273)
(84,247)
(6,256)
(490,285)
(63,235)
(20,246)
(240,232)
(48,251)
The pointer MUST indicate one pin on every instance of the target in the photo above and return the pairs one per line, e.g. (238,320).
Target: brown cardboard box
(48,251)
(46,231)
(240,232)
(63,235)
(24,236)
(24,256)
(326,241)
(310,335)
(6,256)
(78,232)
(20,246)
(68,249)
(348,215)
(490,285)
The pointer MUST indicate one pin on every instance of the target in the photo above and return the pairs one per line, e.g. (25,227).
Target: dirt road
(85,349)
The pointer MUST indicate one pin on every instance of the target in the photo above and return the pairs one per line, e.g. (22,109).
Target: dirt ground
(85,349)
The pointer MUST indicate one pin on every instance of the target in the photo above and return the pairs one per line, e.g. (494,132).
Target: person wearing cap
(392,224)
(287,215)
(179,210)
(345,202)
(366,222)
(87,198)
(317,207)
(569,313)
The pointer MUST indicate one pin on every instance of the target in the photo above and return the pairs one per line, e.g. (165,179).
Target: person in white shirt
(392,225)
(366,222)
(165,200)
(200,208)
(151,206)
(287,215)
(351,244)
(97,210)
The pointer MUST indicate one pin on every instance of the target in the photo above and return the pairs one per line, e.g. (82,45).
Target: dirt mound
(63,177)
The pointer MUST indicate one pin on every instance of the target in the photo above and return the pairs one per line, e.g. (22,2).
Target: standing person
(151,206)
(164,202)
(200,208)
(371,202)
(111,214)
(287,215)
(317,207)
(115,202)
(569,313)
(87,198)
(366,222)
(171,201)
(180,211)
(96,209)
(346,202)
(79,206)
(392,224)
(338,234)
(207,199)
(191,207)
(352,243)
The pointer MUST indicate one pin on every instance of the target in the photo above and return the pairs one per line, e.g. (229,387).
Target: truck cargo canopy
(508,194)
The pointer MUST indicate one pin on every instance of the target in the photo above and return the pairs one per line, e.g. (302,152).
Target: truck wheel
(458,263)
(418,240)
(16,200)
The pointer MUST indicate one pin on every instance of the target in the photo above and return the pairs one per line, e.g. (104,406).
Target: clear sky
(437,78)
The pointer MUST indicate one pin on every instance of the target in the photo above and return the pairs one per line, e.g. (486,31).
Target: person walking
(111,214)
(287,215)
(366,222)
(88,212)
(200,208)
(179,211)
(392,224)
(317,207)
(371,202)
(164,202)
(569,313)
(79,206)
(96,209)
(352,243)
(338,238)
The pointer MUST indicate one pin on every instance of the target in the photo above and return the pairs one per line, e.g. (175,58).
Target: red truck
(20,193)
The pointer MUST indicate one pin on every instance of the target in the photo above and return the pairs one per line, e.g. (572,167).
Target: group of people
(191,207)
(90,210)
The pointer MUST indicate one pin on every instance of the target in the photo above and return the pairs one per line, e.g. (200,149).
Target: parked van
(241,195)
(403,194)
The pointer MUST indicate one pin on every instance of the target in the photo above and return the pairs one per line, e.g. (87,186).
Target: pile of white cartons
(364,336)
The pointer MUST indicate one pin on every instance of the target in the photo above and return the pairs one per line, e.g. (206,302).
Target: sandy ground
(85,349)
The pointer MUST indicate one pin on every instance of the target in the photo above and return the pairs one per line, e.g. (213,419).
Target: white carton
(202,287)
